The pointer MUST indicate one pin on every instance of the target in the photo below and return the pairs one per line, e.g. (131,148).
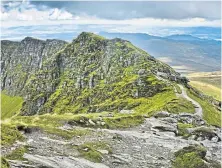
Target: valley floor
(207,82)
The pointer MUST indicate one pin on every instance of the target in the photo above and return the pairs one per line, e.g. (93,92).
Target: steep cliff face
(21,59)
(91,74)
(7,48)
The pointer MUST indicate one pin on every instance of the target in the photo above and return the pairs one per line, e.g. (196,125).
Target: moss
(10,105)
(17,154)
(190,157)
(89,150)
(4,163)
(182,129)
(189,160)
(210,113)
(9,134)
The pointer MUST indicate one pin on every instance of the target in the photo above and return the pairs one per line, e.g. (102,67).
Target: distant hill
(183,37)
(185,53)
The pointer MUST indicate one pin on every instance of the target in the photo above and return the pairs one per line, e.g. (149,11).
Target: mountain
(184,52)
(98,102)
(91,69)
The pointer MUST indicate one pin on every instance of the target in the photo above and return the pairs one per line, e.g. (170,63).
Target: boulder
(167,128)
(162,114)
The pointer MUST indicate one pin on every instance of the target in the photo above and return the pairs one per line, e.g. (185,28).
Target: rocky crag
(101,103)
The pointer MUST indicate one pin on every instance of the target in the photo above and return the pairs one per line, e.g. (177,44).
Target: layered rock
(22,59)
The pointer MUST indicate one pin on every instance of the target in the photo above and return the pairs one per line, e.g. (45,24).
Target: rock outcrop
(22,59)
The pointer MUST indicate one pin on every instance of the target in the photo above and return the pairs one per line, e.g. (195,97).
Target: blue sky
(65,20)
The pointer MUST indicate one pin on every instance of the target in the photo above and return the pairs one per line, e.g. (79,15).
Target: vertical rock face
(7,48)
(91,74)
(21,59)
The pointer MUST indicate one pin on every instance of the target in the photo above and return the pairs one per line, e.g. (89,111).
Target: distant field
(10,105)
(207,82)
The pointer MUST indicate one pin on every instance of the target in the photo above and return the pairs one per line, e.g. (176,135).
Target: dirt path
(198,108)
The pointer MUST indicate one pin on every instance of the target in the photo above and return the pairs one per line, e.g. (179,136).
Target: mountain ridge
(103,57)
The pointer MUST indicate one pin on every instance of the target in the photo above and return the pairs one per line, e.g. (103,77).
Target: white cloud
(45,20)
(26,14)
(57,14)
(30,17)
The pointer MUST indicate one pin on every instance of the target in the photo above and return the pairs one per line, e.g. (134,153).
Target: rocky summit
(99,103)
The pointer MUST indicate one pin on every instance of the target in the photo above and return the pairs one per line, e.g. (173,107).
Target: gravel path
(198,108)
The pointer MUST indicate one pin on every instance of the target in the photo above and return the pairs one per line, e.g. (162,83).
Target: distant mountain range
(185,53)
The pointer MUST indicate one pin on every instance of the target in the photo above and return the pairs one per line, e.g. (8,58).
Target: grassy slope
(207,82)
(210,113)
(10,105)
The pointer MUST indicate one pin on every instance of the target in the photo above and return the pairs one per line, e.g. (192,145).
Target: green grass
(190,157)
(210,113)
(179,105)
(50,123)
(123,121)
(10,105)
(9,134)
(208,89)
